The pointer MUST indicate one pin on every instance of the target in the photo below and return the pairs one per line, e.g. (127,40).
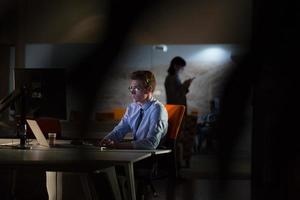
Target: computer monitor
(45,91)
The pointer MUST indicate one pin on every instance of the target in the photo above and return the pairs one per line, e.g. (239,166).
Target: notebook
(41,139)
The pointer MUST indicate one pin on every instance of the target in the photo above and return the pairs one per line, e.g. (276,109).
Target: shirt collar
(148,103)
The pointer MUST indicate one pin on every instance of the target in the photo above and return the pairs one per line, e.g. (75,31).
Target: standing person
(176,94)
(146,117)
(175,89)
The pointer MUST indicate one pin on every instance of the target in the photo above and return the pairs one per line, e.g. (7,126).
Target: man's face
(138,91)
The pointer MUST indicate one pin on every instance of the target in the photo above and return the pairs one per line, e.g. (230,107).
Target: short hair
(146,77)
(176,61)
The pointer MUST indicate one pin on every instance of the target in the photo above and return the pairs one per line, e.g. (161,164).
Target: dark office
(125,100)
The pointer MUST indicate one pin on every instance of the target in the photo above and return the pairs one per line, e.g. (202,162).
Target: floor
(200,181)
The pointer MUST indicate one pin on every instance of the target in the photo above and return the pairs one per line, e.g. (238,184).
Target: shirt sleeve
(158,129)
(118,133)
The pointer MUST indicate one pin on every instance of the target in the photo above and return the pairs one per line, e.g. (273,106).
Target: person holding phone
(175,89)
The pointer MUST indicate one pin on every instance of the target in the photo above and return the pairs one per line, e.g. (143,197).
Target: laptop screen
(41,139)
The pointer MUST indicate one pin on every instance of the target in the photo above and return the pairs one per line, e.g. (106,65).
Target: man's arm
(118,133)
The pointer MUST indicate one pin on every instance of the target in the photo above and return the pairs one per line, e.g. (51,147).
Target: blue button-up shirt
(152,128)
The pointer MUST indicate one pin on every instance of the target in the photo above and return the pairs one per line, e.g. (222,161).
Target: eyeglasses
(135,88)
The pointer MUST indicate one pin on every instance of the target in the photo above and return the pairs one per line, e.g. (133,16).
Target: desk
(58,159)
(153,152)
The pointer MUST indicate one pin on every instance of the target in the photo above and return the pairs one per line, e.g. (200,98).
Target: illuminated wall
(209,63)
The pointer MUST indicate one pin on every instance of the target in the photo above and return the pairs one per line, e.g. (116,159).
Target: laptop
(41,139)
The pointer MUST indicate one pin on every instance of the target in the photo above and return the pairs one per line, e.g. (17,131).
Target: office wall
(208,63)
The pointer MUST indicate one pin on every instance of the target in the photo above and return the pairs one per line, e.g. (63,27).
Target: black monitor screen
(45,89)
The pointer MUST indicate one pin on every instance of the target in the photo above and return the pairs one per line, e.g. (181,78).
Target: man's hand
(115,145)
(107,143)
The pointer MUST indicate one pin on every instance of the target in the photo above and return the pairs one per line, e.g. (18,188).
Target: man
(146,118)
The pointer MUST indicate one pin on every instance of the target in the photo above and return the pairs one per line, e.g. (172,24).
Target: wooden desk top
(67,155)
(67,158)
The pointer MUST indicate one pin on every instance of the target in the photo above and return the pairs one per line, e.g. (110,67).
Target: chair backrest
(168,162)
(118,113)
(175,117)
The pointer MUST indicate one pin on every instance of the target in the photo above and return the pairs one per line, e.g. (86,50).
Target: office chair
(164,165)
